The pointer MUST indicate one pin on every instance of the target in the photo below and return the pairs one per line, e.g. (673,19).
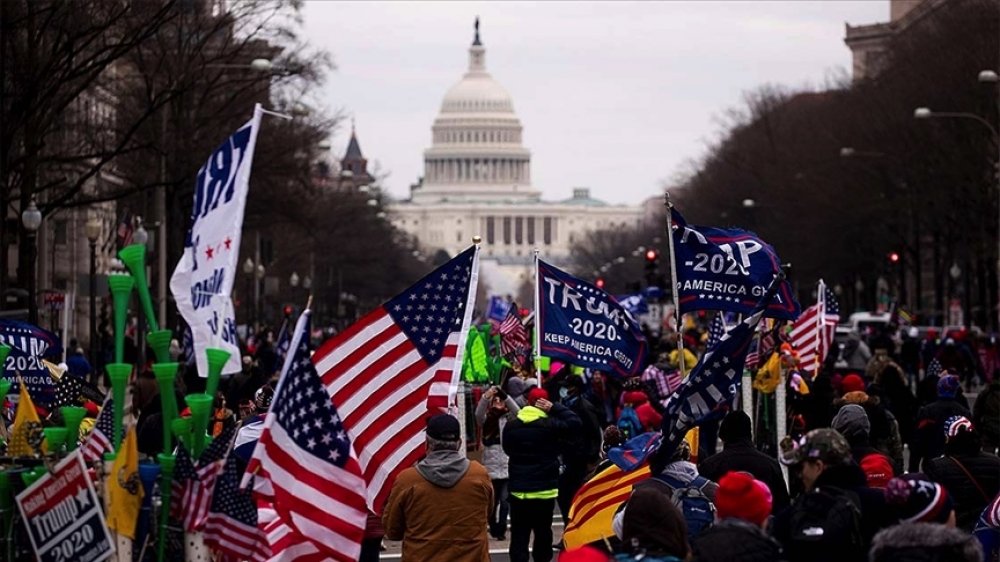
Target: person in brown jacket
(439,507)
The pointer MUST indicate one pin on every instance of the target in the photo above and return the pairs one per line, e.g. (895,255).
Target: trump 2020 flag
(727,269)
(714,381)
(203,279)
(581,324)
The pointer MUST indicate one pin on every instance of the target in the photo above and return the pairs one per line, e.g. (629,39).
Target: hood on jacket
(443,468)
(851,421)
(529,414)
(924,542)
(684,471)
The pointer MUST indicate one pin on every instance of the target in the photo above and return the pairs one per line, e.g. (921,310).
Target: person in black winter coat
(971,476)
(823,462)
(532,443)
(986,416)
(739,454)
(581,449)
(928,438)
(743,506)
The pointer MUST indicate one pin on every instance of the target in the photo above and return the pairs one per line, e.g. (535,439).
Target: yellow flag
(595,503)
(124,488)
(26,434)
(769,376)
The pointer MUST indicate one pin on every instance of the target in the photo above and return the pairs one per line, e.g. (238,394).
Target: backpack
(690,499)
(629,424)
(825,525)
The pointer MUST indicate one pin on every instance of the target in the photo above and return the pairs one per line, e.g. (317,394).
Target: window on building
(531,230)
(506,230)
(490,230)
(519,230)
(458,236)
(61,234)
(547,230)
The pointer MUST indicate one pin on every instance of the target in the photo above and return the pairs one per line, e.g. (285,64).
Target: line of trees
(839,180)
(108,101)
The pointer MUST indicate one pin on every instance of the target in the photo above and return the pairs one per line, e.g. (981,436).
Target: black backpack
(825,524)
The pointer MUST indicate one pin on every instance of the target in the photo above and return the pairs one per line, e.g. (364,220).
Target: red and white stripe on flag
(384,390)
(388,372)
(813,331)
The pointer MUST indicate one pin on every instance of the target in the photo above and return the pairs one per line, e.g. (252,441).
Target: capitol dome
(476,151)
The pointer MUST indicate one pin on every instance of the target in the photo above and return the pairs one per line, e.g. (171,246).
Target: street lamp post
(31,219)
(93,231)
(259,274)
(248,270)
(986,76)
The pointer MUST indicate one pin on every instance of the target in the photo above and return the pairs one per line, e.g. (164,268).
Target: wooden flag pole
(674,285)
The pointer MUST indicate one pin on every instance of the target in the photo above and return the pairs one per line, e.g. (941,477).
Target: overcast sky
(619,97)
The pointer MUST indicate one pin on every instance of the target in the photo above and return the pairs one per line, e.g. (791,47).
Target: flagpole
(821,328)
(536,340)
(674,284)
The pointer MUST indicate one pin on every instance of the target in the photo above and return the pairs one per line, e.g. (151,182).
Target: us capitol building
(477,180)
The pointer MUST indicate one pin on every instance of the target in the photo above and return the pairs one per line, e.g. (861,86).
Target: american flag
(286,543)
(812,333)
(303,464)
(715,330)
(392,369)
(713,382)
(99,439)
(231,526)
(281,346)
(193,485)
(124,232)
(934,368)
(513,336)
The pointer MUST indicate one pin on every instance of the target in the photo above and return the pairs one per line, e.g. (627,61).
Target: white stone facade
(477,181)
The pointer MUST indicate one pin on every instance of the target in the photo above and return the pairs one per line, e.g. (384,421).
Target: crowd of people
(885,460)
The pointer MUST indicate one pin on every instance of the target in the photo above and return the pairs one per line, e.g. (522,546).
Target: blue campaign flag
(498,308)
(727,269)
(636,305)
(29,344)
(635,451)
(714,381)
(585,326)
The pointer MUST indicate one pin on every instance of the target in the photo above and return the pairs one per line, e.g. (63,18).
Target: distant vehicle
(867,322)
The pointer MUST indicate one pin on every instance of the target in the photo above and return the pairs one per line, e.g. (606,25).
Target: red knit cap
(536,394)
(583,554)
(649,417)
(852,383)
(742,497)
(634,397)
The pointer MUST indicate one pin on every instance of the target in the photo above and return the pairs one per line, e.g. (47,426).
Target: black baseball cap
(444,427)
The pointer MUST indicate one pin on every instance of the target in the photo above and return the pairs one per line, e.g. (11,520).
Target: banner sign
(203,280)
(28,345)
(497,309)
(727,269)
(63,516)
(636,305)
(585,326)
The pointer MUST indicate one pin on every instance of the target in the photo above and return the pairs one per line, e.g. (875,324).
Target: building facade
(477,181)
(868,43)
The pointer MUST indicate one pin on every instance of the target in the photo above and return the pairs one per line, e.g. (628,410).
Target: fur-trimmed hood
(924,542)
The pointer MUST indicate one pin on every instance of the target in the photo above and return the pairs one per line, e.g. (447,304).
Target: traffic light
(652,259)
(288,310)
(599,283)
(893,257)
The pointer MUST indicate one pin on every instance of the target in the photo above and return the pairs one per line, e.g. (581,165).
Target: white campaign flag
(203,280)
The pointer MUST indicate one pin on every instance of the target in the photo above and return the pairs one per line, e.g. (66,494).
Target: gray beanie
(530,382)
(851,420)
(515,387)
